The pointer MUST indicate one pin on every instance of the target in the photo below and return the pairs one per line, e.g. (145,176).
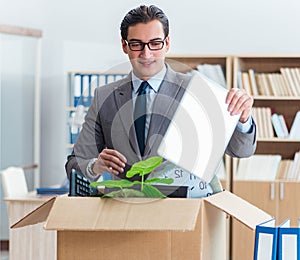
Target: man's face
(146,63)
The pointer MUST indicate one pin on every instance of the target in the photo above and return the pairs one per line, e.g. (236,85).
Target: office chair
(13,182)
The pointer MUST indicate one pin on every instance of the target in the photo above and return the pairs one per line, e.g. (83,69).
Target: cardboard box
(137,228)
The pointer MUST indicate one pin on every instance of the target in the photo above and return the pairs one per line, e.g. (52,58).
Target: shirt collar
(154,82)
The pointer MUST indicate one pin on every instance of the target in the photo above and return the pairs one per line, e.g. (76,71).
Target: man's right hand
(110,161)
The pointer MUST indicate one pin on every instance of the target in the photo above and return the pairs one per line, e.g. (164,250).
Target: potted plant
(125,188)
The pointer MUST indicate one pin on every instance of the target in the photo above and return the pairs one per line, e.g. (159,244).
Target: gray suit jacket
(109,124)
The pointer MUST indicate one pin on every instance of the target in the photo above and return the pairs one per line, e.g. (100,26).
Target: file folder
(280,242)
(289,242)
(266,237)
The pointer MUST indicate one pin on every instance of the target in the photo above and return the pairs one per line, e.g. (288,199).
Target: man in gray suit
(109,140)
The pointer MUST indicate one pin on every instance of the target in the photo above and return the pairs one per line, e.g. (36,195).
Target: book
(283,125)
(253,82)
(246,83)
(265,84)
(286,89)
(239,80)
(286,73)
(272,84)
(52,191)
(258,117)
(77,89)
(262,115)
(260,87)
(278,84)
(283,169)
(295,128)
(277,125)
(267,122)
(85,89)
(292,174)
(296,80)
(214,72)
(258,167)
(55,190)
(94,84)
(297,167)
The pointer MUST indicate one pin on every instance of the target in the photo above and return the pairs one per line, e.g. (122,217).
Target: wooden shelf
(276,98)
(286,149)
(279,140)
(267,195)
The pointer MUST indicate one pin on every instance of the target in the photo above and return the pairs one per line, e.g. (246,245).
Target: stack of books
(213,71)
(268,167)
(285,82)
(270,124)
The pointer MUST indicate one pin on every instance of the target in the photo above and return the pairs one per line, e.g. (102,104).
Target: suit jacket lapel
(164,107)
(123,97)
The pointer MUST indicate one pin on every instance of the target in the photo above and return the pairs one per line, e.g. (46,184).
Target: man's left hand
(239,102)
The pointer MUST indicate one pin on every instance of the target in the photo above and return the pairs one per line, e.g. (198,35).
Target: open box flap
(82,213)
(86,213)
(238,208)
(38,215)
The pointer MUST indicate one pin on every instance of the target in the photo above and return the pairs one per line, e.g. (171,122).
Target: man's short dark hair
(144,14)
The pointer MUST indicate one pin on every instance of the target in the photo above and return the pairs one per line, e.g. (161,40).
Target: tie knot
(143,88)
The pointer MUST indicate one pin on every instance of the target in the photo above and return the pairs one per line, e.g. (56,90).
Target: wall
(84,35)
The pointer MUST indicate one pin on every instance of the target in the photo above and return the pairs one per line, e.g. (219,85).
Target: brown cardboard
(238,208)
(137,228)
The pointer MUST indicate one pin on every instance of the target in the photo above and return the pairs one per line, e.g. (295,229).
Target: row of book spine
(268,167)
(285,82)
(213,71)
(82,92)
(83,86)
(270,124)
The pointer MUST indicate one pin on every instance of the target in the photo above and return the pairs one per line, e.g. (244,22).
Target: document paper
(200,129)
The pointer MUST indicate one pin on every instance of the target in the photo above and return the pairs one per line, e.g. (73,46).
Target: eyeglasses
(152,45)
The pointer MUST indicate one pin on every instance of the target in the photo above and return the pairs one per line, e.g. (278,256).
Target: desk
(31,242)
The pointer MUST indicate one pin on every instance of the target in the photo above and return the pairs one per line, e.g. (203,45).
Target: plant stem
(142,182)
(124,195)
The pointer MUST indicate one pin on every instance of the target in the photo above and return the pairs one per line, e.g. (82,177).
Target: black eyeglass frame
(143,44)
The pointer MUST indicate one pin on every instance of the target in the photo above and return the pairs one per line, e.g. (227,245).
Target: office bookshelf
(277,197)
(82,85)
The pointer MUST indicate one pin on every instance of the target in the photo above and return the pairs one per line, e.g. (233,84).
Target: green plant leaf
(124,193)
(113,184)
(152,192)
(144,167)
(159,180)
(132,172)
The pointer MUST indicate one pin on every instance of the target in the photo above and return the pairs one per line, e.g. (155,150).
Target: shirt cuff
(246,127)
